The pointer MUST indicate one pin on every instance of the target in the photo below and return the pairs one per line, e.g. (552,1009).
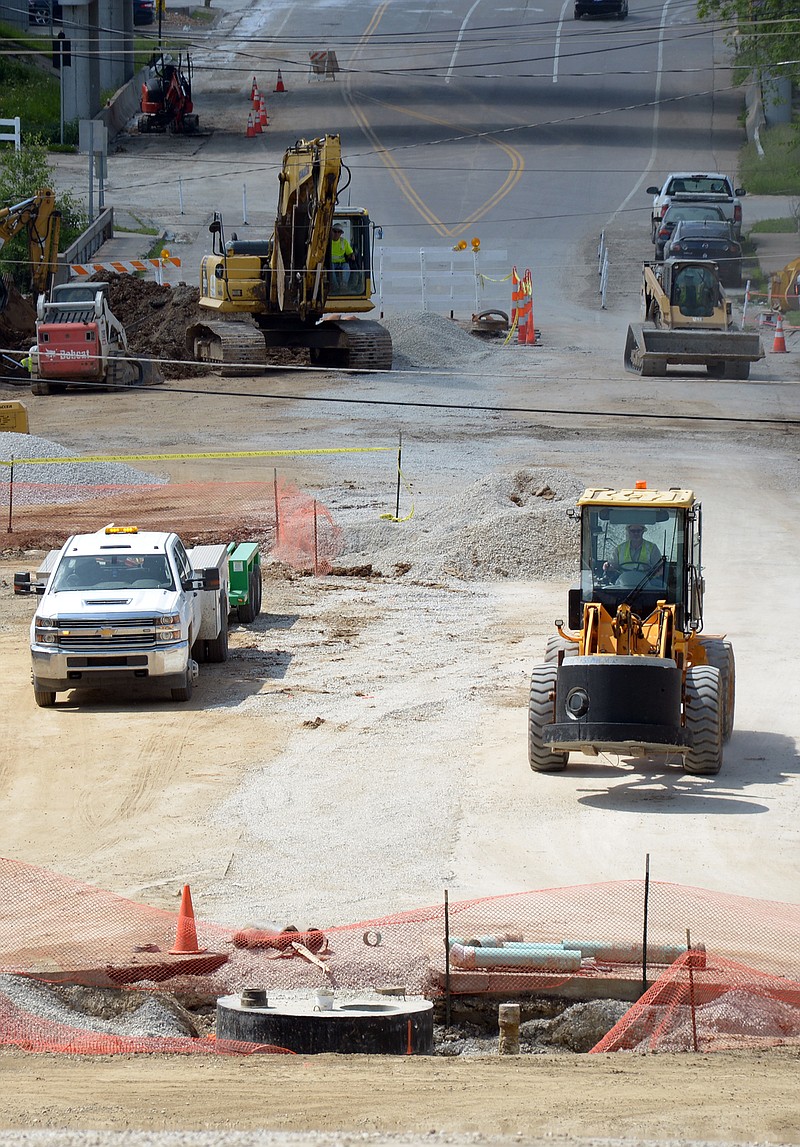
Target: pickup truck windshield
(113,571)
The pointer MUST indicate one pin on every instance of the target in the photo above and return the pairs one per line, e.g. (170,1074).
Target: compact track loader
(632,675)
(688,323)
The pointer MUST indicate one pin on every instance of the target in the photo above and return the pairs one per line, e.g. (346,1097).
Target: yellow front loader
(630,673)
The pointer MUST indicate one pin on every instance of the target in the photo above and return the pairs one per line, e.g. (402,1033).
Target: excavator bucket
(724,354)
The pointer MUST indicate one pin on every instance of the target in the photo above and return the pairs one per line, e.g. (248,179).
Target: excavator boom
(308,182)
(38,216)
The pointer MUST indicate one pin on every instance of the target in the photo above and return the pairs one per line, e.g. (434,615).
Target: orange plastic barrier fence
(718,1007)
(57,931)
(307,536)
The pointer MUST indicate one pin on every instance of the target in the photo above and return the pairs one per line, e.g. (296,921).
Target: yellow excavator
(287,284)
(784,287)
(631,674)
(39,217)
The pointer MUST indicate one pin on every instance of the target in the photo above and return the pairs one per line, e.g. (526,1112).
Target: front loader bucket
(725,354)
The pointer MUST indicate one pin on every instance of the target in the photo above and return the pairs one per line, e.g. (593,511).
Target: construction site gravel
(364,747)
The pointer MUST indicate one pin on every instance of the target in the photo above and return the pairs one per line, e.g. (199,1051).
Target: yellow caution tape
(215,454)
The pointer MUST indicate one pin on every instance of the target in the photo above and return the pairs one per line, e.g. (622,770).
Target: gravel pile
(137,1014)
(33,482)
(506,525)
(423,339)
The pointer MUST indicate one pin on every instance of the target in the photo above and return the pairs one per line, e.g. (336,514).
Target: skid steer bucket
(724,354)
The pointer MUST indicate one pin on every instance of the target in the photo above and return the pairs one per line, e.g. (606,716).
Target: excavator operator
(342,256)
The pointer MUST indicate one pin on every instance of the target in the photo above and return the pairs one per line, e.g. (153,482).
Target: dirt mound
(17,318)
(155,318)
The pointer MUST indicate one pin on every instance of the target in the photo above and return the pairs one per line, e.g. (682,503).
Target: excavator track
(369,345)
(234,347)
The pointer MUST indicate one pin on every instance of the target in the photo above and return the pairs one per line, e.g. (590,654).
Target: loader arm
(42,221)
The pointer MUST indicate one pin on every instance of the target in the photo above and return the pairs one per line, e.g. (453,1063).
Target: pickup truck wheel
(217,647)
(184,692)
(44,698)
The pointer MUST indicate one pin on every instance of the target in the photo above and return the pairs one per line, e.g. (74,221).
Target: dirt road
(743,1098)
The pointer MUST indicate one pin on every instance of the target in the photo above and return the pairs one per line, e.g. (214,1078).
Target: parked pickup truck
(697,187)
(126,603)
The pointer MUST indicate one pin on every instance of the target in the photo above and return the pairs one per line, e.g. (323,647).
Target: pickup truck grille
(83,632)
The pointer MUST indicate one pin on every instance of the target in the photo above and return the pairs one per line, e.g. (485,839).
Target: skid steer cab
(630,674)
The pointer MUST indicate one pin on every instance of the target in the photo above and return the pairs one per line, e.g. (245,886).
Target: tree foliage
(766,32)
(22,174)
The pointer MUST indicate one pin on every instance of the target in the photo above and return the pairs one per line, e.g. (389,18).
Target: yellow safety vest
(340,250)
(645,554)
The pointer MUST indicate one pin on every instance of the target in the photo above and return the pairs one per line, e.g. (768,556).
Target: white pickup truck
(697,187)
(125,603)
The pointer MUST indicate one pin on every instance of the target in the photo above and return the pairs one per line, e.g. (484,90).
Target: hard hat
(337,227)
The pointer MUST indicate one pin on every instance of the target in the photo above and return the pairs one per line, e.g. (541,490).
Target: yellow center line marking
(401,180)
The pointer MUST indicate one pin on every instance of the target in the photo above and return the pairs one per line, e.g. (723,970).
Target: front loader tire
(703,720)
(540,713)
(719,654)
(554,646)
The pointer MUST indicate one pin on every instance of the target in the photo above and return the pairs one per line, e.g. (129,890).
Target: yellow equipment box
(14,417)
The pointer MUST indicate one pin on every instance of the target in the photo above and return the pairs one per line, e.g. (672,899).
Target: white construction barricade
(439,279)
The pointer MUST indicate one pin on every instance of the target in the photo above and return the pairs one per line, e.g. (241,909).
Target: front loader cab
(639,548)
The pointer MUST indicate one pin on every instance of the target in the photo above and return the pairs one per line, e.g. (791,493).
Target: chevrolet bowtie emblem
(106,632)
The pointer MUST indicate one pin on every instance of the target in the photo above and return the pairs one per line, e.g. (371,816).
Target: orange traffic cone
(251,127)
(186,935)
(253,88)
(279,85)
(779,345)
(256,97)
(262,112)
(257,123)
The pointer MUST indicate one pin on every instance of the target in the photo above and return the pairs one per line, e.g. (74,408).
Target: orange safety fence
(32,514)
(583,941)
(713,1005)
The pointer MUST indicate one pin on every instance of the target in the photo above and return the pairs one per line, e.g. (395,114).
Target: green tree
(767,32)
(22,174)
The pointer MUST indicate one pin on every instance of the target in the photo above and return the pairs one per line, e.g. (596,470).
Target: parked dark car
(144,11)
(618,8)
(708,239)
(684,211)
(43,13)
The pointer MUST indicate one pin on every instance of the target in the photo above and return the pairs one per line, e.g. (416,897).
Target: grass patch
(782,226)
(778,173)
(26,91)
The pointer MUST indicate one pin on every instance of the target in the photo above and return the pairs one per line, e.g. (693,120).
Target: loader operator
(342,255)
(635,554)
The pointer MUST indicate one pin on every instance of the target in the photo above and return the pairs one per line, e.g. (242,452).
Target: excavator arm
(38,216)
(306,202)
